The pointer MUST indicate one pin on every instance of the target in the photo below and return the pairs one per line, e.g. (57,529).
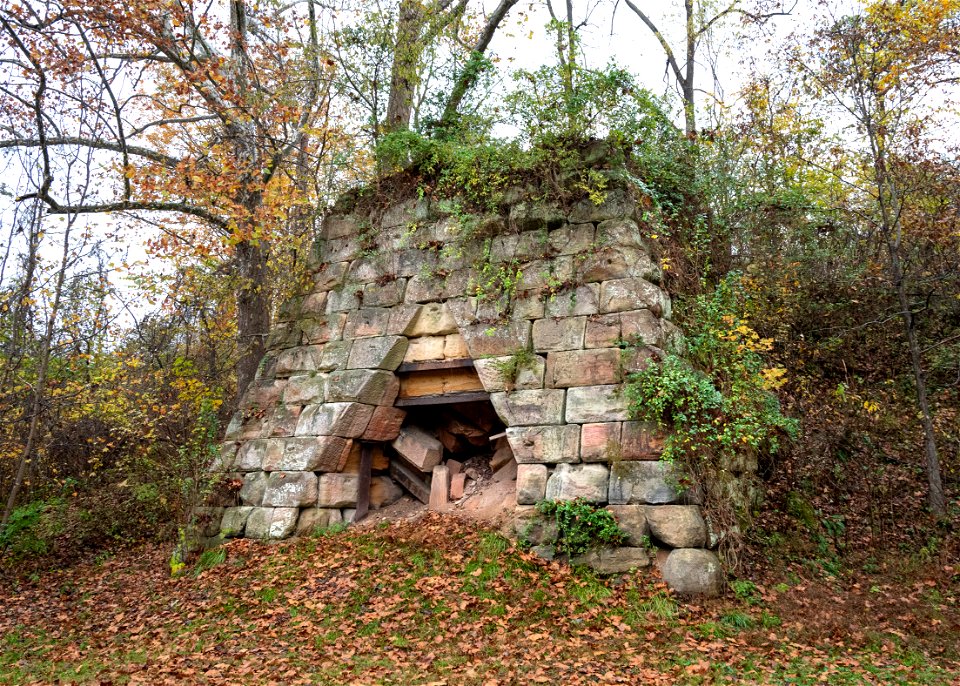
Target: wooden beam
(443,399)
(410,480)
(366,468)
(432,365)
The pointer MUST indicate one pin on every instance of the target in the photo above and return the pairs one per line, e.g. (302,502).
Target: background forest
(167,164)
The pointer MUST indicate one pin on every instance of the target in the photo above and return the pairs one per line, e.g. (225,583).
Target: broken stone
(419,448)
(432,319)
(586,481)
(439,487)
(425,349)
(454,347)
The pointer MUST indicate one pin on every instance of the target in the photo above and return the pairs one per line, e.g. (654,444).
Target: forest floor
(440,600)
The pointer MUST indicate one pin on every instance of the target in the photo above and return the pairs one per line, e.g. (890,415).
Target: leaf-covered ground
(440,601)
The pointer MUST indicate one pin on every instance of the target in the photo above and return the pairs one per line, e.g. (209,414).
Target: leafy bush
(581,526)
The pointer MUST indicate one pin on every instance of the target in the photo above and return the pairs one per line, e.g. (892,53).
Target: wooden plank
(432,365)
(409,480)
(443,399)
(439,381)
(440,487)
(363,484)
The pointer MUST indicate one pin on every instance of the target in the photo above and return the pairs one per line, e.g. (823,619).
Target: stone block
(314,305)
(432,319)
(602,331)
(425,349)
(344,299)
(558,334)
(385,352)
(308,454)
(316,519)
(620,232)
(531,215)
(677,526)
(305,389)
(458,483)
(621,295)
(272,522)
(572,481)
(614,262)
(529,408)
(370,386)
(254,485)
(692,571)
(299,360)
(234,521)
(330,276)
(439,488)
(531,483)
(576,301)
(583,367)
(290,489)
(650,483)
(384,491)
(591,404)
(370,321)
(284,335)
(572,239)
(464,310)
(384,424)
(263,394)
(348,420)
(226,457)
(281,421)
(338,490)
(545,444)
(641,441)
(641,326)
(636,359)
(419,448)
(492,373)
(632,519)
(600,442)
(424,289)
(341,226)
(614,560)
(401,317)
(322,329)
(500,338)
(335,355)
(454,347)
(617,203)
(250,456)
(527,305)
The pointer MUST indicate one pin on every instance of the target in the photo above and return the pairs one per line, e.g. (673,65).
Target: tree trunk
(686,84)
(404,74)
(253,310)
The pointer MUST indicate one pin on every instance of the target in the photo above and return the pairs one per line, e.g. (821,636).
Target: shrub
(581,526)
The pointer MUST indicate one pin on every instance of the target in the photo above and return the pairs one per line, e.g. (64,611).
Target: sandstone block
(345,299)
(317,518)
(340,226)
(323,329)
(226,457)
(234,521)
(254,485)
(581,300)
(600,442)
(314,305)
(309,454)
(262,394)
(454,347)
(370,321)
(250,455)
(299,360)
(653,483)
(419,448)
(641,326)
(284,335)
(602,331)
(493,373)
(334,356)
(571,239)
(425,349)
(422,289)
(338,490)
(614,560)
(290,489)
(529,408)
(558,334)
(641,441)
(591,404)
(544,444)
(385,352)
(401,317)
(632,519)
(439,488)
(583,367)
(348,420)
(618,263)
(572,481)
(531,215)
(305,389)
(330,275)
(272,522)
(370,386)
(464,310)
(692,571)
(458,482)
(621,295)
(281,422)
(432,319)
(678,526)
(531,483)
(384,424)
(501,338)
(617,203)
(527,305)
